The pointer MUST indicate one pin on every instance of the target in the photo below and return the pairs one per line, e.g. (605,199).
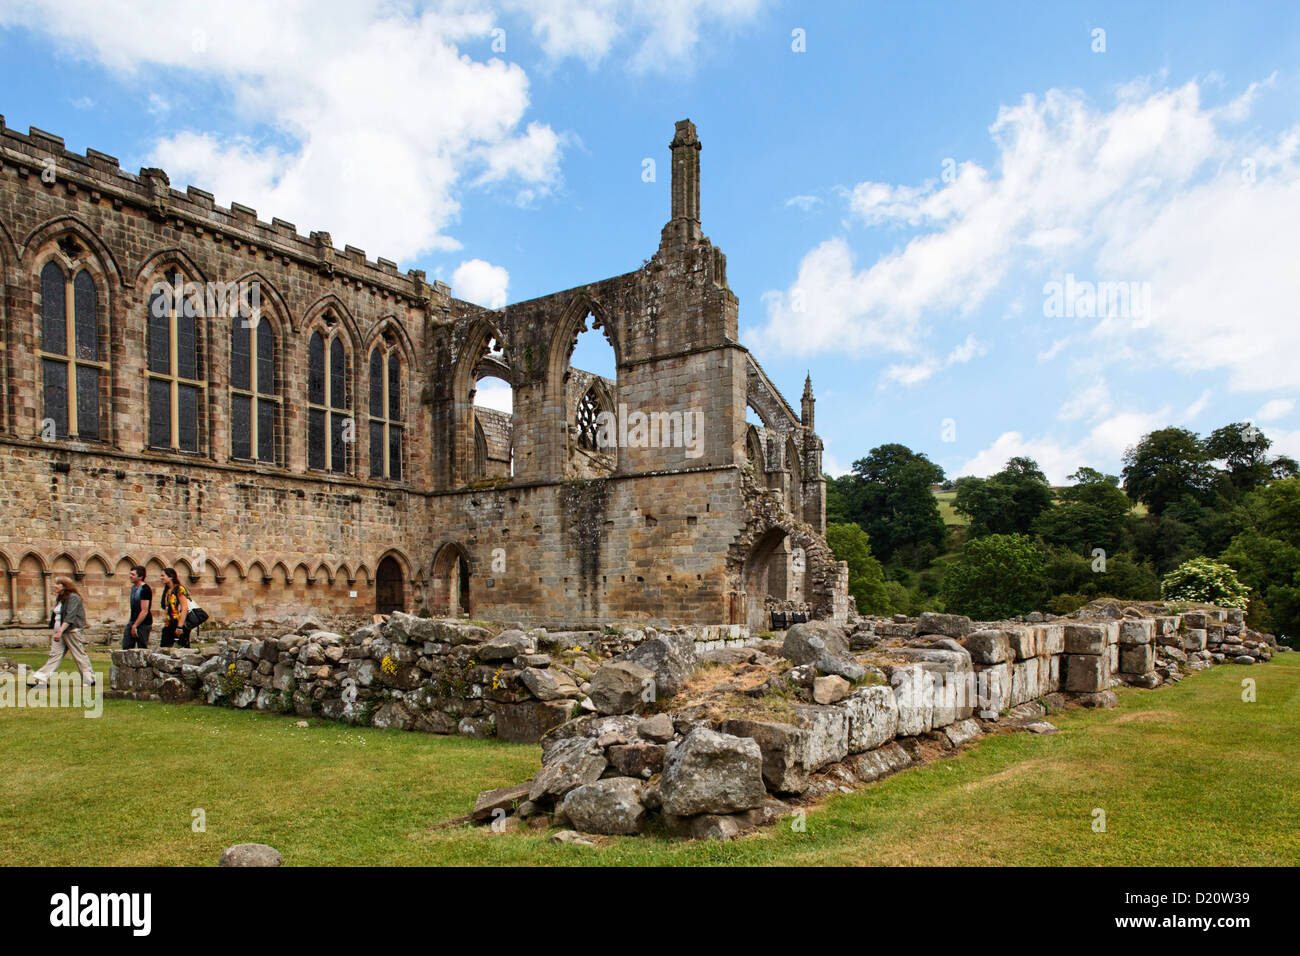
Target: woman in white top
(69,618)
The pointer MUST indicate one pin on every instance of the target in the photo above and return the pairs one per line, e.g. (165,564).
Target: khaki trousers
(71,641)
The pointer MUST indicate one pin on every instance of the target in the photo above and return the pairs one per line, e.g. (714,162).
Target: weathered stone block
(1137,632)
(988,646)
(1083,672)
(1084,639)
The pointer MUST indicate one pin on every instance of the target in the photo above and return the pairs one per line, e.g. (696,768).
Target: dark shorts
(140,640)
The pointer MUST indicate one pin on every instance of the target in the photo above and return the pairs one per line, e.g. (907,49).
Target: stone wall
(407,673)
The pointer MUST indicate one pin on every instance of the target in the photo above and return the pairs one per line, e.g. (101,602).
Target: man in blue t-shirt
(136,633)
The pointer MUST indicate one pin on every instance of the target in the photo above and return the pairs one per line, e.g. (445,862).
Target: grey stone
(620,687)
(949,625)
(527,721)
(988,646)
(638,760)
(572,837)
(962,732)
(658,728)
(1083,672)
(1084,639)
(503,798)
(251,854)
(549,684)
(709,772)
(1136,658)
(573,763)
(872,714)
(507,645)
(670,657)
(612,806)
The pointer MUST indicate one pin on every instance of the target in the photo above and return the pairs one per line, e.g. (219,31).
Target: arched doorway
(765,574)
(449,593)
(390,588)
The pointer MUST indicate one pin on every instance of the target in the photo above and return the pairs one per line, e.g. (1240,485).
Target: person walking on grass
(176,605)
(140,620)
(68,620)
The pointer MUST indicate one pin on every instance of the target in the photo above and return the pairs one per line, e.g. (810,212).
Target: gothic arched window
(254,395)
(174,368)
(72,365)
(386,428)
(330,429)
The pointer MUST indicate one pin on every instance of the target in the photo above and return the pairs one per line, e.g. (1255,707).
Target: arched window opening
(73,365)
(331,430)
(494,438)
(174,370)
(590,392)
(387,430)
(254,394)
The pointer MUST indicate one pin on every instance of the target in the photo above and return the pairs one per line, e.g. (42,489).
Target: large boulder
(709,772)
(549,684)
(825,646)
(507,645)
(671,658)
(620,687)
(611,806)
(804,643)
(572,763)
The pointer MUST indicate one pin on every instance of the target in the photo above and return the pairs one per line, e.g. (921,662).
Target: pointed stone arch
(53,228)
(450,576)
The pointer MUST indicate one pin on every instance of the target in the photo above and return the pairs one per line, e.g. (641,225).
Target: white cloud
(480,282)
(806,203)
(1274,409)
(1160,189)
(666,32)
(912,373)
(374,118)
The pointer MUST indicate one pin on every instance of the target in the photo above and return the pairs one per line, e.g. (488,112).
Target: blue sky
(895,200)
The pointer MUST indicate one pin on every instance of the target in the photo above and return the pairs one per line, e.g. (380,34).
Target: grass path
(1186,775)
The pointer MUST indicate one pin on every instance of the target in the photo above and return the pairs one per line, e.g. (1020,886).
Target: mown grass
(1186,775)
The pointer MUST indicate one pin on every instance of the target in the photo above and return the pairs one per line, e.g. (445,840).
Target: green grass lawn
(1187,775)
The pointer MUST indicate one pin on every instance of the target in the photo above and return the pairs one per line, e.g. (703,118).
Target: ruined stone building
(294,427)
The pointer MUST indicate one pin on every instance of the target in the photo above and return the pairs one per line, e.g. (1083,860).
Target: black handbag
(195,618)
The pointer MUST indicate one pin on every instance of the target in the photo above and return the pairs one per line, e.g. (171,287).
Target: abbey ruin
(293,426)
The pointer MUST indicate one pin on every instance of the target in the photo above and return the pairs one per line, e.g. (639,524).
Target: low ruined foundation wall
(410,673)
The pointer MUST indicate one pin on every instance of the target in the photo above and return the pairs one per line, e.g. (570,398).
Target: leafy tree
(866,577)
(1205,580)
(1165,466)
(1268,556)
(995,577)
(1165,541)
(1093,513)
(1068,573)
(889,495)
(1006,503)
(1244,450)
